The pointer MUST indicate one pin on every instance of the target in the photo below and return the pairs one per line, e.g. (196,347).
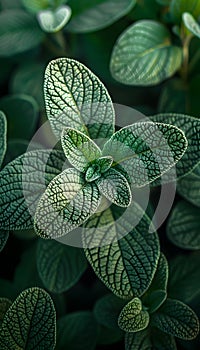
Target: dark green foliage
(99,204)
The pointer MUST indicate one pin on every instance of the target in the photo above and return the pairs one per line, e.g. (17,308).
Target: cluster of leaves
(81,192)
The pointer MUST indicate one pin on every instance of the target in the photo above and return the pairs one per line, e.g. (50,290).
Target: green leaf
(10,4)
(30,322)
(76,98)
(3,239)
(183,226)
(4,306)
(114,186)
(22,115)
(177,319)
(79,149)
(98,168)
(191,24)
(125,262)
(51,21)
(35,6)
(19,32)
(144,55)
(59,266)
(188,186)
(92,15)
(163,2)
(67,203)
(146,150)
(27,175)
(3,136)
(185,277)
(149,339)
(178,7)
(28,79)
(133,318)
(191,128)
(77,331)
(107,310)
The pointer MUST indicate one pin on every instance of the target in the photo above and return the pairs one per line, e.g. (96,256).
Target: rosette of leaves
(151,321)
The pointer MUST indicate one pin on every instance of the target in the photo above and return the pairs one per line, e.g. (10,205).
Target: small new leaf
(67,203)
(191,24)
(115,188)
(97,168)
(30,322)
(51,21)
(177,319)
(133,318)
(146,150)
(79,149)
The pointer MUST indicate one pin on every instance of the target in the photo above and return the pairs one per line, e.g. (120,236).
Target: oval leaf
(146,150)
(22,182)
(30,322)
(191,128)
(183,226)
(79,149)
(125,262)
(75,97)
(19,32)
(177,319)
(97,14)
(77,331)
(59,266)
(189,185)
(149,339)
(133,318)
(97,168)
(115,188)
(3,133)
(144,55)
(191,24)
(52,21)
(67,203)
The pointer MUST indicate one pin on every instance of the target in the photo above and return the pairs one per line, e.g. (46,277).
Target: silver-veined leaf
(4,306)
(79,149)
(22,182)
(191,128)
(53,20)
(107,310)
(115,188)
(19,32)
(59,266)
(67,203)
(98,168)
(30,322)
(133,318)
(149,339)
(122,252)
(178,7)
(144,55)
(177,319)
(77,331)
(189,186)
(94,15)
(146,150)
(3,133)
(191,24)
(183,226)
(76,98)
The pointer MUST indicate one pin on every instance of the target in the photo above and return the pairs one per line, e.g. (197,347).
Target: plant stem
(185,66)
